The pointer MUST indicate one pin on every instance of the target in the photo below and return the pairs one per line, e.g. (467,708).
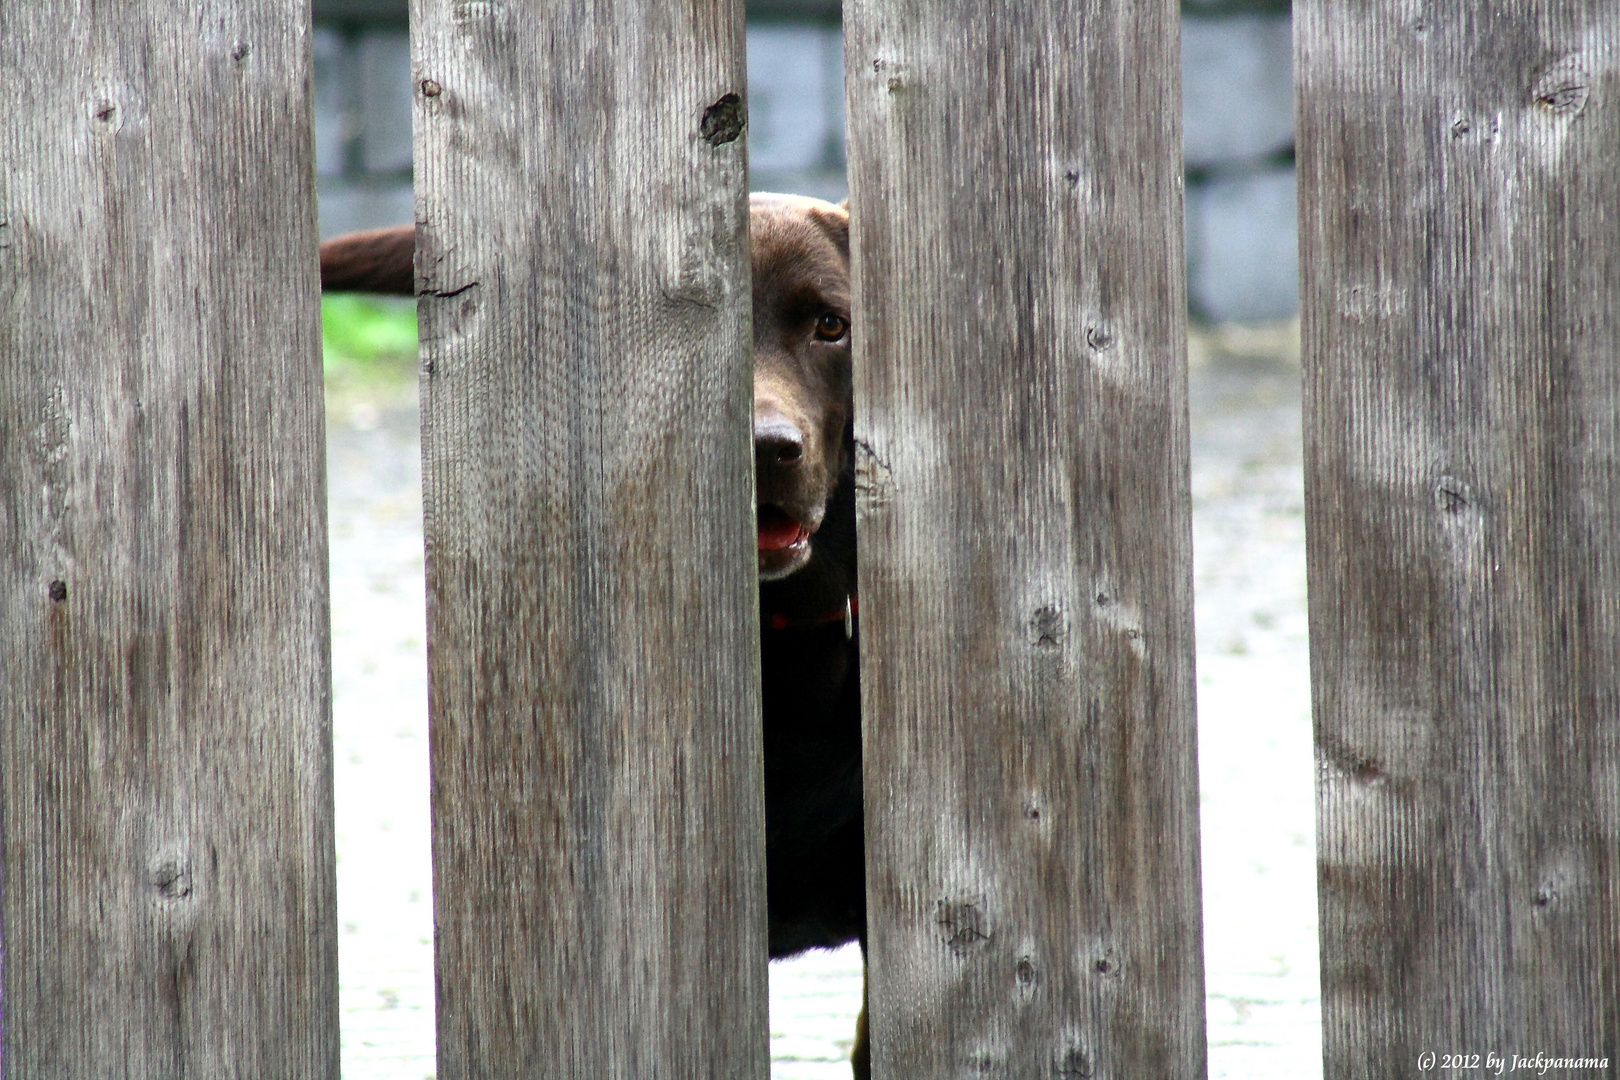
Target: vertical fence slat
(593,652)
(1026,580)
(1460,219)
(165,745)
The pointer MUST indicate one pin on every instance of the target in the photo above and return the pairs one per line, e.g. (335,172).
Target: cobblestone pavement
(1255,744)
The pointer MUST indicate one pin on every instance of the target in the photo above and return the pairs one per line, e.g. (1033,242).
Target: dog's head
(802,372)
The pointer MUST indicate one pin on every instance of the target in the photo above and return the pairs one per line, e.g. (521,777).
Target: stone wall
(1242,262)
(1238,124)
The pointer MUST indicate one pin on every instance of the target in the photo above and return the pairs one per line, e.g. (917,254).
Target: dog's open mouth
(778,530)
(784,543)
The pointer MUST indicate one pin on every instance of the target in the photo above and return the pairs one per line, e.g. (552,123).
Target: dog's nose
(776,441)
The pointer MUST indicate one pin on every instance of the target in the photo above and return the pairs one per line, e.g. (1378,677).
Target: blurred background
(1255,748)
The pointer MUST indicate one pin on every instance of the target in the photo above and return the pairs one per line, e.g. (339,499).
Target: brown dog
(805,480)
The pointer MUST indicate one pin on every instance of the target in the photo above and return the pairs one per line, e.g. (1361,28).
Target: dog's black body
(805,478)
(810,683)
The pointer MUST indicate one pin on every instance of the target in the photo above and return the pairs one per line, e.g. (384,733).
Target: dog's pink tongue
(777,530)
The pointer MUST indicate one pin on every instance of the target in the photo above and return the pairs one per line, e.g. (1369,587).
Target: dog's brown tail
(378,261)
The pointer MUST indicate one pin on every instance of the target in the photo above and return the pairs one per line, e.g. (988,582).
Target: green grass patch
(368,338)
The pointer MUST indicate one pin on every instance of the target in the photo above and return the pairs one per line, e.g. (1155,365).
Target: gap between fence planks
(1026,570)
(165,744)
(593,645)
(1460,218)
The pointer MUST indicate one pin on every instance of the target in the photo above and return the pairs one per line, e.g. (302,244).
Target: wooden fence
(1460,238)
(165,776)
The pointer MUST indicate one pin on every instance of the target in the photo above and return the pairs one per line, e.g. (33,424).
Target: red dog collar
(775,620)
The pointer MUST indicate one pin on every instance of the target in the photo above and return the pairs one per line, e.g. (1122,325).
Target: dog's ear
(835,222)
(379,261)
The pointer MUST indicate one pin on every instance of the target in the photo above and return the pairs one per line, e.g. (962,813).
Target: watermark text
(1497,1064)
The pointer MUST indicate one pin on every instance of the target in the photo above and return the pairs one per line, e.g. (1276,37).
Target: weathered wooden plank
(598,805)
(165,772)
(1032,839)
(1460,218)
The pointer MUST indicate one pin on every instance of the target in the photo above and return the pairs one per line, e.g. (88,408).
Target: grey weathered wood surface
(1026,575)
(1460,219)
(593,652)
(165,745)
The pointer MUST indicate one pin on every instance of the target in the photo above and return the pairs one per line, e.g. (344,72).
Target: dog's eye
(831,327)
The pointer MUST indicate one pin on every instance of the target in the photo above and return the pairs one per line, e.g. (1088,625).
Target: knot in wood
(1346,761)
(962,924)
(1453,495)
(171,881)
(1563,89)
(1048,627)
(874,481)
(895,80)
(1073,1064)
(724,121)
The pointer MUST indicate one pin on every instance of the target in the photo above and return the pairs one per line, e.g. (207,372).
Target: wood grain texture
(1460,218)
(165,744)
(1026,586)
(593,651)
